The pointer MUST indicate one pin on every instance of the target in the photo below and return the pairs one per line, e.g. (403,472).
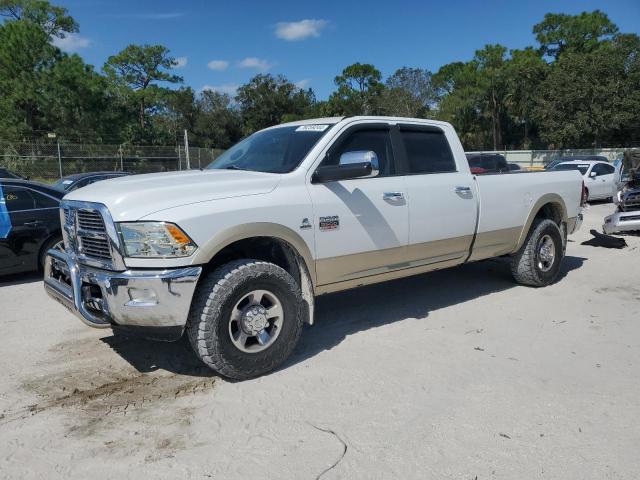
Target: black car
(480,163)
(79,180)
(4,173)
(29,224)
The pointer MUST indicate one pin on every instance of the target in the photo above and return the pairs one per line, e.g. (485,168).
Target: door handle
(463,190)
(34,223)
(392,195)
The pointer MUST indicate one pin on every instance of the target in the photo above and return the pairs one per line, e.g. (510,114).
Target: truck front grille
(86,235)
(631,201)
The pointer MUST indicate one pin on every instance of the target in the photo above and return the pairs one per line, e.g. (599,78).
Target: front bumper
(622,222)
(136,300)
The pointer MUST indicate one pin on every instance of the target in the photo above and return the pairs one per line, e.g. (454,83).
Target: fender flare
(552,198)
(236,233)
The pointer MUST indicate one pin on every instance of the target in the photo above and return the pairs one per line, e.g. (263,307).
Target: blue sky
(221,44)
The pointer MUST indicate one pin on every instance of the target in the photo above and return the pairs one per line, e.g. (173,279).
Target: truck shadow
(342,314)
(346,313)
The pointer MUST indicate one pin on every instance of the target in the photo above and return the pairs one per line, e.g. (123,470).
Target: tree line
(578,87)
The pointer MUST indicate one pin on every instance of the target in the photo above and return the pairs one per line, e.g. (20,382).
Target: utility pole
(186,148)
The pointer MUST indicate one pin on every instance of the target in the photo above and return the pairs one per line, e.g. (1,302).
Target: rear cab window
(17,199)
(427,150)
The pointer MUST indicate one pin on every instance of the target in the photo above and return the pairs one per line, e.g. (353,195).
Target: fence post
(199,158)
(59,157)
(186,149)
(179,159)
(121,160)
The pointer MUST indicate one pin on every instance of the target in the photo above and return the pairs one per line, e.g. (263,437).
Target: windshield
(572,166)
(277,150)
(62,184)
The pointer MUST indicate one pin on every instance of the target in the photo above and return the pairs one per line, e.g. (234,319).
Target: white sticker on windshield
(312,128)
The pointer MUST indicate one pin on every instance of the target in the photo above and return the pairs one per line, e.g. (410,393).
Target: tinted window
(602,169)
(572,166)
(17,198)
(428,152)
(378,141)
(43,201)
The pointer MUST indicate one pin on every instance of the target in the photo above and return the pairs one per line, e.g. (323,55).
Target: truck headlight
(155,239)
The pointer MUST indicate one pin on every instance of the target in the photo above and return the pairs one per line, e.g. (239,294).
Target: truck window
(427,152)
(376,140)
(603,169)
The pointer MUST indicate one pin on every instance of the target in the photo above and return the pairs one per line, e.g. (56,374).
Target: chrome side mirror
(362,156)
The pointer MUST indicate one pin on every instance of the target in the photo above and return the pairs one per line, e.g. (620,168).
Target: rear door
(361,224)
(442,203)
(604,180)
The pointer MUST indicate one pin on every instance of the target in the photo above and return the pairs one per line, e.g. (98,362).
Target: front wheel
(245,318)
(537,263)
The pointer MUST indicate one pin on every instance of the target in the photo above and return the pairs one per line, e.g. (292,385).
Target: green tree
(559,33)
(135,73)
(267,100)
(359,90)
(524,72)
(53,20)
(589,99)
(218,123)
(409,92)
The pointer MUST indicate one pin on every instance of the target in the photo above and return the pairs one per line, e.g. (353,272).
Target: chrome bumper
(622,222)
(132,298)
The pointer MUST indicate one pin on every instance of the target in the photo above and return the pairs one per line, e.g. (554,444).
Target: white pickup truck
(235,254)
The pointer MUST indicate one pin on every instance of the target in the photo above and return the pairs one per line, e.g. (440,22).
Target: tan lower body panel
(349,271)
(495,243)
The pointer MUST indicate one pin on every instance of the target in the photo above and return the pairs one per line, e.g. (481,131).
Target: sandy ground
(458,374)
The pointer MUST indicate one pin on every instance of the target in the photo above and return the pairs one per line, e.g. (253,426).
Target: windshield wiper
(235,167)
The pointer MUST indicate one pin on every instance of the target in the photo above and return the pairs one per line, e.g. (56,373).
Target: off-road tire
(216,295)
(524,264)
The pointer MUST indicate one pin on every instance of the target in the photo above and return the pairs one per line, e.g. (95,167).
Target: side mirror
(592,175)
(356,164)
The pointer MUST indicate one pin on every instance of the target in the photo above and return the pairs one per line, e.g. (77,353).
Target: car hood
(133,197)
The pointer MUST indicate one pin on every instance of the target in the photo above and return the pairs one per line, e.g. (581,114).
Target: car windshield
(277,150)
(62,184)
(572,166)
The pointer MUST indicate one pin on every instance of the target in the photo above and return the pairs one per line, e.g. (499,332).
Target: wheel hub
(546,253)
(254,319)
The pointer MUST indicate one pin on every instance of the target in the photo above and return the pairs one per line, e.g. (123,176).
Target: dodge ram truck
(233,255)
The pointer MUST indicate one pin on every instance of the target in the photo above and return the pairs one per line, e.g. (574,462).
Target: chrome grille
(95,247)
(90,220)
(86,235)
(631,201)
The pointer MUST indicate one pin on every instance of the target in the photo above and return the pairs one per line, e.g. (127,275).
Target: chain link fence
(49,161)
(537,159)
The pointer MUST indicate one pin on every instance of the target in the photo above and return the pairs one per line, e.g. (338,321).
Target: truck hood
(133,197)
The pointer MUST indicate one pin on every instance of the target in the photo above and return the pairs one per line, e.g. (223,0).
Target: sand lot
(457,374)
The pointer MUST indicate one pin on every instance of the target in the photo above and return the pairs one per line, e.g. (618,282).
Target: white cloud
(180,62)
(304,83)
(72,42)
(229,89)
(254,62)
(218,65)
(294,31)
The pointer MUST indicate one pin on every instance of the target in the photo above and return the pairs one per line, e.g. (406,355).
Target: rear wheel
(245,318)
(538,261)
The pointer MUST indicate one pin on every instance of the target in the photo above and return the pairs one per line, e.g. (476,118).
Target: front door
(361,225)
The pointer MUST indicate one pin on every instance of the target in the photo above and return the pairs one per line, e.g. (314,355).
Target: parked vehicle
(599,178)
(481,163)
(626,217)
(79,180)
(234,255)
(572,158)
(4,173)
(29,224)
